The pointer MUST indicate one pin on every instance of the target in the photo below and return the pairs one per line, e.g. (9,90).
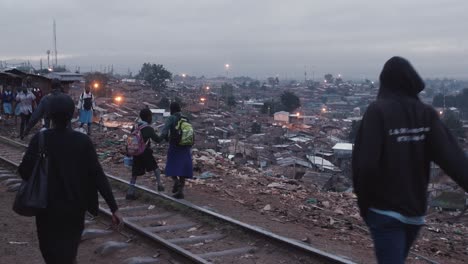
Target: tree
(273,81)
(254,84)
(164,103)
(290,101)
(231,101)
(155,75)
(256,128)
(227,90)
(243,85)
(438,100)
(270,107)
(329,78)
(454,124)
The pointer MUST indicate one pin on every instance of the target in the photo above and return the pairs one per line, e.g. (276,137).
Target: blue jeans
(392,238)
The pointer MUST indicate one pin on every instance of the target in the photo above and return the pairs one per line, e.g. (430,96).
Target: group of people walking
(179,158)
(25,102)
(21,102)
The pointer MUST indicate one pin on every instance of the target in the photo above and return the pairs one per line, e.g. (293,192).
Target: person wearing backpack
(143,160)
(179,132)
(86,106)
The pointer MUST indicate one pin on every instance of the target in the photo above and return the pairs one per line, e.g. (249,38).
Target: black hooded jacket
(398,138)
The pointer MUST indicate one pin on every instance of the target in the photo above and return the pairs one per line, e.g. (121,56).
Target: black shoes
(178,195)
(175,188)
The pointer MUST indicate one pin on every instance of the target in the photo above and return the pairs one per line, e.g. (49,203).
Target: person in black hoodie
(74,179)
(398,138)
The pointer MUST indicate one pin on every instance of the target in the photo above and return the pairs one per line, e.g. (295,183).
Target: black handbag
(31,197)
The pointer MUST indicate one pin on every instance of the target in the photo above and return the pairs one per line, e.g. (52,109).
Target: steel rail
(253,229)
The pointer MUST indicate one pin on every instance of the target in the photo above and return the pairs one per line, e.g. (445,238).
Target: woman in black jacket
(74,179)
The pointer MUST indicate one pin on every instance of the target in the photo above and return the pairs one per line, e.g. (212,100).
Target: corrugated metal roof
(343,146)
(66,76)
(288,161)
(322,163)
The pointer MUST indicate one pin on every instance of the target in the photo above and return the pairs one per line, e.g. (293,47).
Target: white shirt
(84,96)
(25,102)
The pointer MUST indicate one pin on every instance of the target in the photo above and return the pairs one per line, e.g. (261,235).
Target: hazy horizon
(258,39)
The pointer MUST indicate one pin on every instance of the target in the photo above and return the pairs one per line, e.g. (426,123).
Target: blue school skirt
(179,161)
(7,109)
(86,116)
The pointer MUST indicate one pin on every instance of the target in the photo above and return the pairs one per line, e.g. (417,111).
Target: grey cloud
(259,38)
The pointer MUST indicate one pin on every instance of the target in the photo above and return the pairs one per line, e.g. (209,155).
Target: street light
(96,85)
(118,99)
(226,66)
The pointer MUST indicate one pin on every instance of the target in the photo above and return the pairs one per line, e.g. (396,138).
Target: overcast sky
(258,38)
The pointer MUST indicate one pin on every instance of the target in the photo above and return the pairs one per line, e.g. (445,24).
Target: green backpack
(183,134)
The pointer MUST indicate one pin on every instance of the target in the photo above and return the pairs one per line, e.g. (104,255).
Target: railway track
(190,233)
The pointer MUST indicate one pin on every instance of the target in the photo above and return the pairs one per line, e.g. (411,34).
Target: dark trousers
(59,235)
(24,121)
(392,238)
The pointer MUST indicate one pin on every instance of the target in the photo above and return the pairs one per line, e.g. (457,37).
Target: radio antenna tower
(48,59)
(55,44)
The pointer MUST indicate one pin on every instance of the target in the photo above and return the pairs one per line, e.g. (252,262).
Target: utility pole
(55,44)
(445,90)
(305,74)
(48,59)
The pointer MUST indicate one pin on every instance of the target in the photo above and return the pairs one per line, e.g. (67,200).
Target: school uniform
(145,162)
(86,106)
(25,108)
(7,99)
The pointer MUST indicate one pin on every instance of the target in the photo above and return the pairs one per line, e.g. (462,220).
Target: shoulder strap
(139,128)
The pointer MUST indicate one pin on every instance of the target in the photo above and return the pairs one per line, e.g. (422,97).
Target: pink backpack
(135,143)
